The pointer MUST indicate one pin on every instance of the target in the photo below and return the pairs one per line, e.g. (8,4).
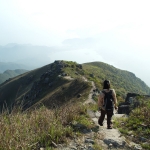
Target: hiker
(107,101)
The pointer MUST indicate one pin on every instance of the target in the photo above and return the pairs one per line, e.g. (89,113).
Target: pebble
(137,147)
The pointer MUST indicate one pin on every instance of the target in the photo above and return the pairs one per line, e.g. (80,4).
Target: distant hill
(11,66)
(10,74)
(50,86)
(32,56)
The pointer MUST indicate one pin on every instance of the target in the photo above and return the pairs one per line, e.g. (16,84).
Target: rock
(88,140)
(123,109)
(115,143)
(79,126)
(110,145)
(93,95)
(64,74)
(130,95)
(142,139)
(50,84)
(79,66)
(90,113)
(95,129)
(95,120)
(130,132)
(90,147)
(58,61)
(79,95)
(92,75)
(97,114)
(137,147)
(73,147)
(54,144)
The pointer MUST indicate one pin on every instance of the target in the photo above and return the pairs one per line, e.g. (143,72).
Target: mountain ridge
(118,76)
(49,86)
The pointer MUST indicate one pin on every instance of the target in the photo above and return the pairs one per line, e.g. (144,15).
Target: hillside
(47,85)
(10,74)
(62,81)
(122,81)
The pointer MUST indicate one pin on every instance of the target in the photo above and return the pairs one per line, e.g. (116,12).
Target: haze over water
(115,32)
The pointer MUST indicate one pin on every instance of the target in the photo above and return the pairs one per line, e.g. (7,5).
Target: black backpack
(108,100)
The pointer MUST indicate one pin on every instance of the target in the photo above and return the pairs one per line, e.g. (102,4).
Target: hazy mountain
(10,74)
(12,66)
(27,54)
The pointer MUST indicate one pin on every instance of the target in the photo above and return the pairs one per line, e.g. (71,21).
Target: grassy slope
(14,90)
(62,89)
(122,81)
(137,124)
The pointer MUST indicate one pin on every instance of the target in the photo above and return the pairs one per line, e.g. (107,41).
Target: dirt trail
(106,138)
(90,99)
(110,138)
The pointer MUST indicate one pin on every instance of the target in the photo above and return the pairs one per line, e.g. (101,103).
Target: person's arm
(115,98)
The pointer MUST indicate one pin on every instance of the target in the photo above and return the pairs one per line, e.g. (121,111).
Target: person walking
(107,101)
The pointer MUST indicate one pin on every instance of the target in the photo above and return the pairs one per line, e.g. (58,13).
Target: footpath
(107,139)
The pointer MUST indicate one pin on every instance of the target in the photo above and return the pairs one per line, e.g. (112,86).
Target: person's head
(106,84)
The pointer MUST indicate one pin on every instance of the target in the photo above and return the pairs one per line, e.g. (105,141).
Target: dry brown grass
(39,127)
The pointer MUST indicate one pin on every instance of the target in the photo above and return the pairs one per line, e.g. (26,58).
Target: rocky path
(90,99)
(107,139)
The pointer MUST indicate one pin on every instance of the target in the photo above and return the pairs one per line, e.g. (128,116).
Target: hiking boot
(101,124)
(109,127)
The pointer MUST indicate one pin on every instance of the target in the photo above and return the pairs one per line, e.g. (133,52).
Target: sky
(115,32)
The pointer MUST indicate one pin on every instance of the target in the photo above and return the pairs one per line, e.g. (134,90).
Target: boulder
(130,96)
(46,80)
(79,66)
(123,109)
(50,84)
(92,75)
(64,74)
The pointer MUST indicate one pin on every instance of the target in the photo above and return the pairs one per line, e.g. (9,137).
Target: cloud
(76,43)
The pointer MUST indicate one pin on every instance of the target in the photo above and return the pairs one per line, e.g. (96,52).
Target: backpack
(108,100)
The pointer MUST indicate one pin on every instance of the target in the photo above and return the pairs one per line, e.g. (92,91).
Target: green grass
(146,146)
(124,131)
(123,81)
(138,122)
(41,127)
(97,147)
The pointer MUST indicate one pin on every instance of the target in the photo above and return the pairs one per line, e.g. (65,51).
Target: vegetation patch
(122,81)
(40,128)
(137,125)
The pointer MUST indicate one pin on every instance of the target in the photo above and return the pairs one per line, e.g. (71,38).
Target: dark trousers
(109,116)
